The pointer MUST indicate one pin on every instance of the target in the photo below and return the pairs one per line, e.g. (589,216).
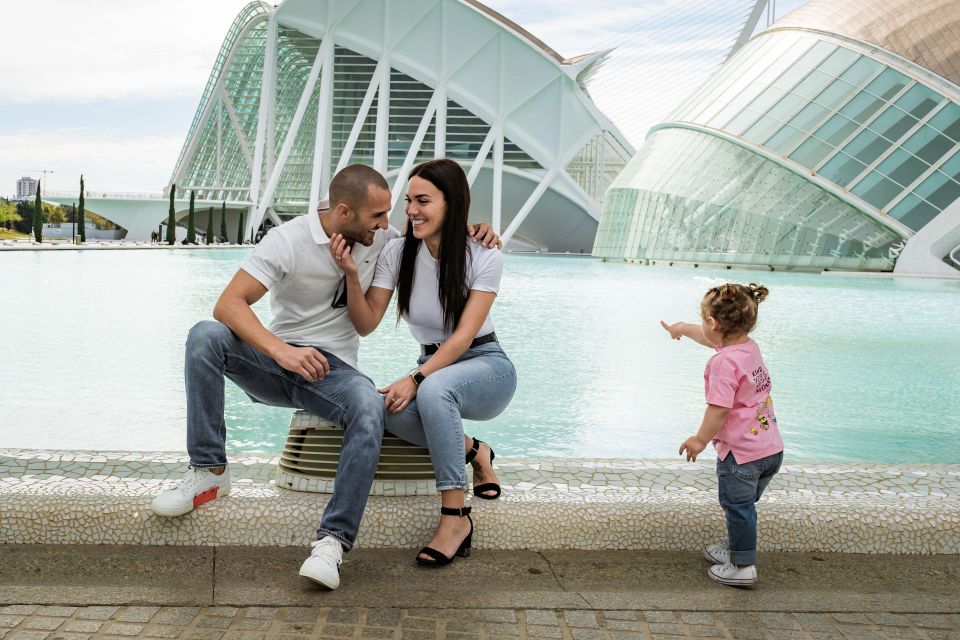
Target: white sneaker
(716,553)
(197,487)
(323,565)
(734,576)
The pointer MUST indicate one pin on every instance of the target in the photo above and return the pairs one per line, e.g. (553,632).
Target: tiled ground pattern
(30,622)
(51,497)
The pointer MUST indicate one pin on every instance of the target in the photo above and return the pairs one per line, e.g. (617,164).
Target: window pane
(790,77)
(877,190)
(762,129)
(816,54)
(867,146)
(928,145)
(893,123)
(767,99)
(842,169)
(860,70)
(787,106)
(837,61)
(938,190)
(952,167)
(902,168)
(742,121)
(947,121)
(836,130)
(811,153)
(785,139)
(914,212)
(809,117)
(862,107)
(919,100)
(888,84)
(834,95)
(812,84)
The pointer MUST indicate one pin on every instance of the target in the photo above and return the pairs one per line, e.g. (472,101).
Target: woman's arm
(400,393)
(365,311)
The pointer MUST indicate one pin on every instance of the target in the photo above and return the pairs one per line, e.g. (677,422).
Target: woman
(446,287)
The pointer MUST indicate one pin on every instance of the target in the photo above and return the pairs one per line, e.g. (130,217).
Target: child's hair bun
(759,292)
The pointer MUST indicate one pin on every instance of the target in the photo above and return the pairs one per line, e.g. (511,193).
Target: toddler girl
(739,420)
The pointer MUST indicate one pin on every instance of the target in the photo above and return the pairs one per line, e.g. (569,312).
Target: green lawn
(11,235)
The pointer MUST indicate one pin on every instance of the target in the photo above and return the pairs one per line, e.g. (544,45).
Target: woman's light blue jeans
(741,485)
(478,386)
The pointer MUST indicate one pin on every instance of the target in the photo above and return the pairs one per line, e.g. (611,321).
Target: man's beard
(356,234)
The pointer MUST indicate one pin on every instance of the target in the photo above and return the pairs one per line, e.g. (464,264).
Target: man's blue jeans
(344,396)
(478,386)
(741,485)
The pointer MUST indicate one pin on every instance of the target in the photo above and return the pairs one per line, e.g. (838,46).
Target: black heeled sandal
(487,486)
(440,560)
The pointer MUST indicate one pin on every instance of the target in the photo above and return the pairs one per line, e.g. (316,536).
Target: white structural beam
(495,131)
(497,182)
(752,20)
(383,117)
(267,87)
(530,204)
(266,198)
(440,126)
(414,149)
(321,145)
(217,179)
(237,128)
(361,118)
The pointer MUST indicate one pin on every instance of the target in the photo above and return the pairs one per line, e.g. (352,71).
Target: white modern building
(26,188)
(830,141)
(303,89)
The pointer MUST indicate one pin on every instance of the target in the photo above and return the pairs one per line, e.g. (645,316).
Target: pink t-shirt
(736,378)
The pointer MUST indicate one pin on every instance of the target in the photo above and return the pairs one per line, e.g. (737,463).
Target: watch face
(418,377)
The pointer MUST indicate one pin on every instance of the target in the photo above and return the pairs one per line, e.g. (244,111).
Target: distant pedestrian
(739,420)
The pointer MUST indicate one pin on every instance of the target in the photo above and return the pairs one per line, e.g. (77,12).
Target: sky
(109,87)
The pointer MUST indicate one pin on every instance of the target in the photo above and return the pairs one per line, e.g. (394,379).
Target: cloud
(109,161)
(107,49)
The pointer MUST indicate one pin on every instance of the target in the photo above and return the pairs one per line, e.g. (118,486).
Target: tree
(223,222)
(8,214)
(209,236)
(171,217)
(38,217)
(191,222)
(240,230)
(81,227)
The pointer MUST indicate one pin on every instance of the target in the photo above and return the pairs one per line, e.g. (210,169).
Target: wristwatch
(417,376)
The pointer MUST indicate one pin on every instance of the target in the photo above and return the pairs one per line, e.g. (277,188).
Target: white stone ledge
(50,497)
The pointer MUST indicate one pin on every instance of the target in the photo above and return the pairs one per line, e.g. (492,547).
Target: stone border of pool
(63,497)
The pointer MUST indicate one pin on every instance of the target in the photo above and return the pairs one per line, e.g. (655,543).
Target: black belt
(430,349)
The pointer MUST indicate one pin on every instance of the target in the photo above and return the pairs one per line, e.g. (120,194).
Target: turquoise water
(863,368)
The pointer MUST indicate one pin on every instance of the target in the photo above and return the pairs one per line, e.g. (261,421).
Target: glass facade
(690,196)
(886,138)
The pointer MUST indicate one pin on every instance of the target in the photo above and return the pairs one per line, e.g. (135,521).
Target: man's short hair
(352,185)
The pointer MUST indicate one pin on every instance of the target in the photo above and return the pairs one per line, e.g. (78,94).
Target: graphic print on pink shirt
(736,378)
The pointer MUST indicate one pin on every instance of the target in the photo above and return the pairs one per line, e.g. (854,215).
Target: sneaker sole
(732,582)
(328,584)
(199,499)
(712,558)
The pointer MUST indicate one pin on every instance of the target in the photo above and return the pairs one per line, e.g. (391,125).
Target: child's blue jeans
(741,485)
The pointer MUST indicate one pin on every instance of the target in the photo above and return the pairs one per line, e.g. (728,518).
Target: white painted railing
(102,195)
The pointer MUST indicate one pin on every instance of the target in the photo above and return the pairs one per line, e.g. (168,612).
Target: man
(306,359)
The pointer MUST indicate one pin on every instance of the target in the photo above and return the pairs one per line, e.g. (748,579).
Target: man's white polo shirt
(293,262)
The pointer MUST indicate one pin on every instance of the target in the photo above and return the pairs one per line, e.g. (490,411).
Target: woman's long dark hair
(447,176)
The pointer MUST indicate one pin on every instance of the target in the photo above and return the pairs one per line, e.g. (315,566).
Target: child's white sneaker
(197,487)
(716,553)
(731,574)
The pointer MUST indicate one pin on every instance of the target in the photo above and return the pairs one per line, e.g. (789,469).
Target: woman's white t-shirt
(425,316)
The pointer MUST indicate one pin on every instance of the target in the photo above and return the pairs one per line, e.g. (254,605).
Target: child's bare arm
(679,330)
(713,419)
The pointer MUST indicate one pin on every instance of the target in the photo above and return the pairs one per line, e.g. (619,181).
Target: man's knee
(207,336)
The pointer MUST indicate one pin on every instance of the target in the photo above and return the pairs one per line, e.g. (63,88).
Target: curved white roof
(924,31)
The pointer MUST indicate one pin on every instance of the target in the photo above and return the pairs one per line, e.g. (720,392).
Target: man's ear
(343,210)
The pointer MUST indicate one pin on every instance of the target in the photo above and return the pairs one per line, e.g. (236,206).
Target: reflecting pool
(864,368)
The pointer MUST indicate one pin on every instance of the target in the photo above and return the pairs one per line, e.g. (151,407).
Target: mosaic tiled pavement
(33,622)
(103,498)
